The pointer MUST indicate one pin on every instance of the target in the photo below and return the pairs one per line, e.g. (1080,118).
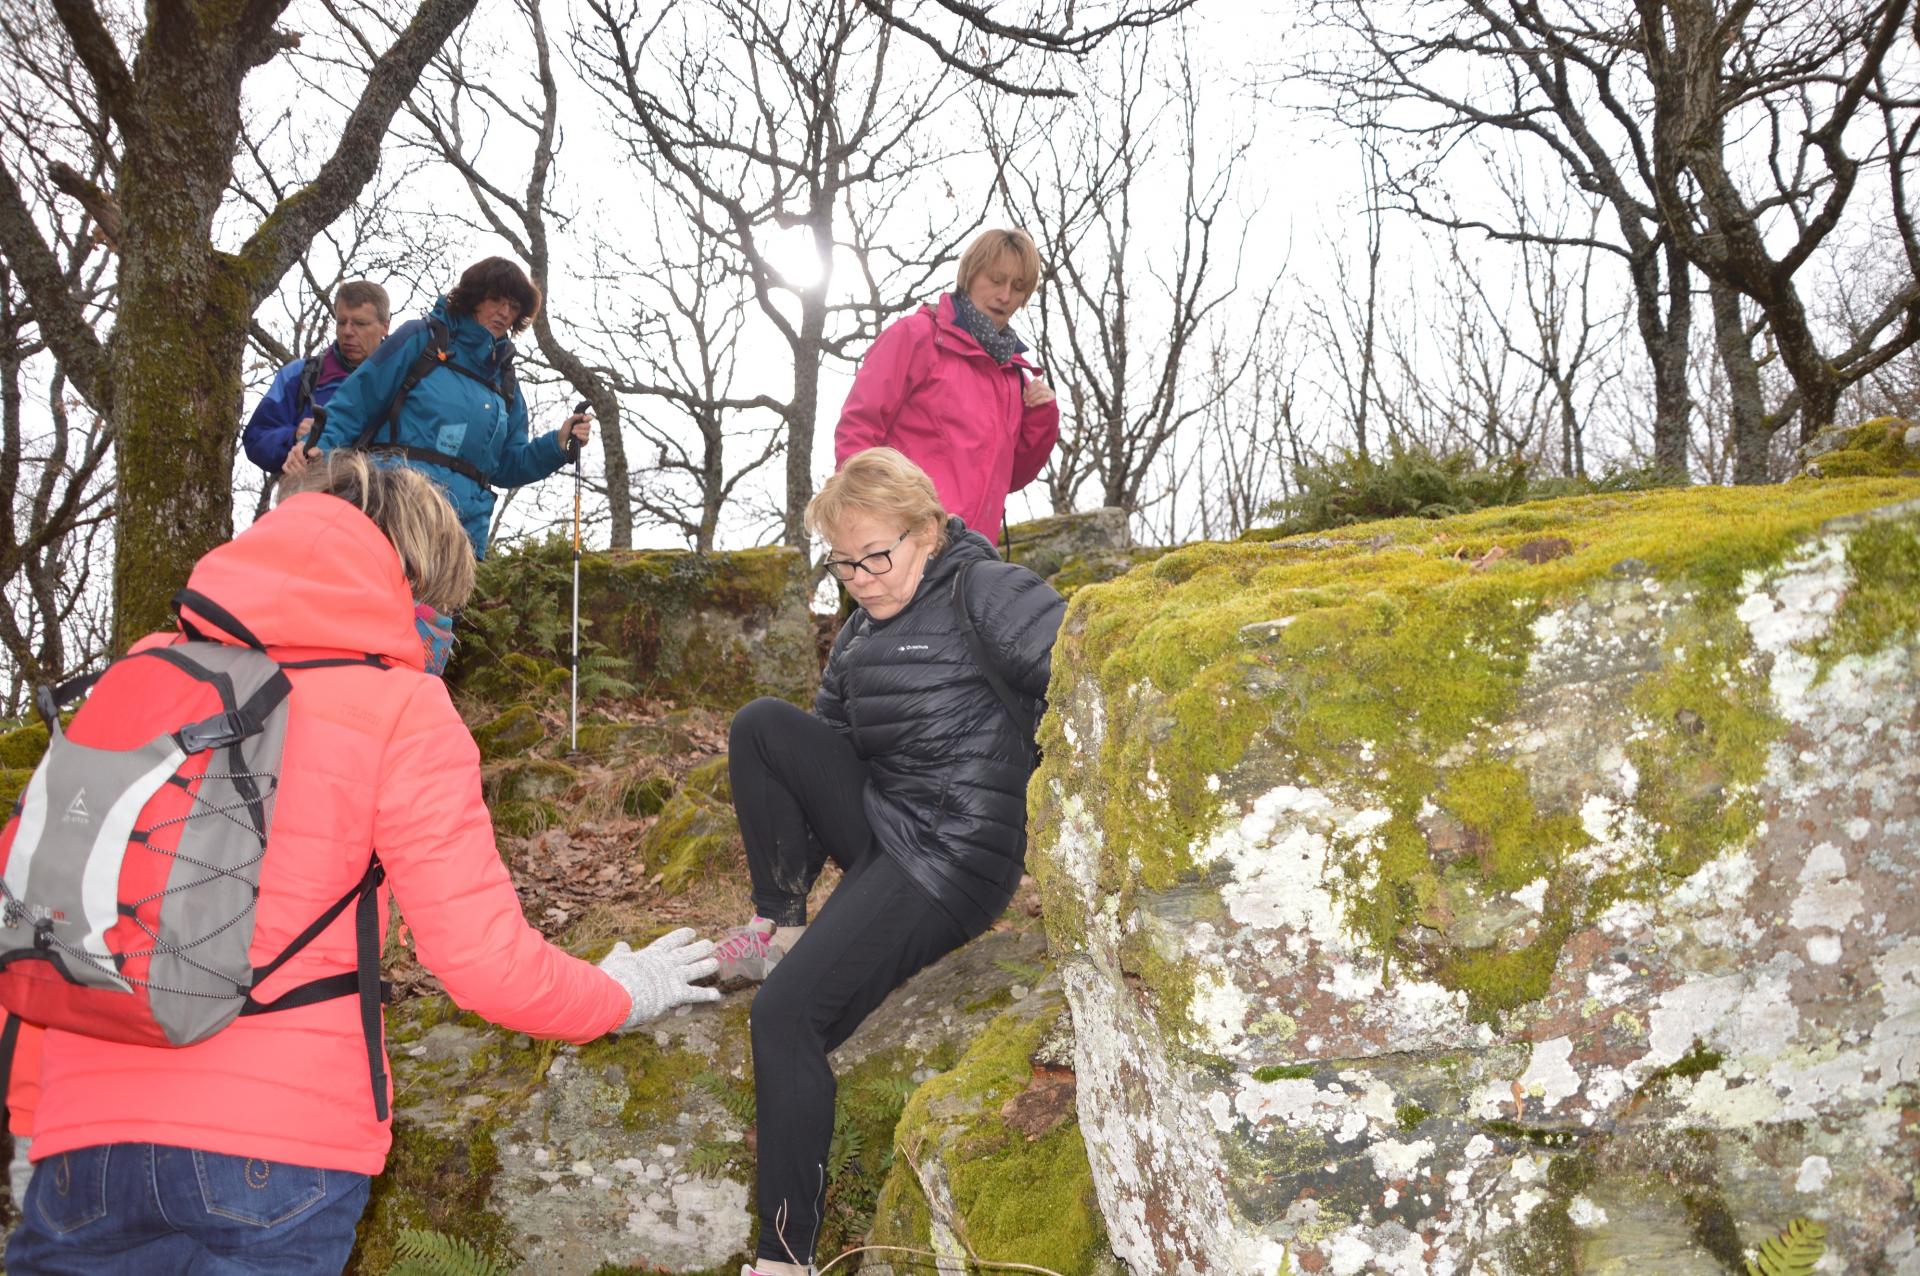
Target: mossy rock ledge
(1532,891)
(712,630)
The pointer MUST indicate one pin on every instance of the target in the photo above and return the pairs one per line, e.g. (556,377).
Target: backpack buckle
(230,727)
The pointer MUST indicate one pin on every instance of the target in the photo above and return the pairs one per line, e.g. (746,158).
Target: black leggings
(797,786)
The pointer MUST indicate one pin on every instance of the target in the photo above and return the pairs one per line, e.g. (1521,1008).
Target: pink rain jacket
(374,761)
(927,389)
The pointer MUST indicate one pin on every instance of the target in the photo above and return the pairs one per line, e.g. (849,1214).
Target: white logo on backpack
(76,812)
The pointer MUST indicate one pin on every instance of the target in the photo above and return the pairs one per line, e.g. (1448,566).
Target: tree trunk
(176,352)
(606,411)
(1668,340)
(1751,434)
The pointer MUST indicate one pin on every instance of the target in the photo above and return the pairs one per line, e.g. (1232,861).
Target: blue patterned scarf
(1001,343)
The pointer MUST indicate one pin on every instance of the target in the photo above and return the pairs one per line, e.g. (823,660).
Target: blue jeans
(137,1209)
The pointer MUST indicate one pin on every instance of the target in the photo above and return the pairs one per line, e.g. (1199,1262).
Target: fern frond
(424,1253)
(1792,1253)
(711,1160)
(737,1102)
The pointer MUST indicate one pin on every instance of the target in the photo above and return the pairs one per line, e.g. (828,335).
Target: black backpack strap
(434,355)
(363,981)
(459,465)
(964,618)
(9,1042)
(211,610)
(309,377)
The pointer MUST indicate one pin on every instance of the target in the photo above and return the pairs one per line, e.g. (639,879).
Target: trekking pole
(573,712)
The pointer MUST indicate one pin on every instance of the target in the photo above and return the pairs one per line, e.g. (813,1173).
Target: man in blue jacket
(440,395)
(360,315)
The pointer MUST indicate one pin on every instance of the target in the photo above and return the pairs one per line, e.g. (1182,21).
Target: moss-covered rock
(515,732)
(693,629)
(528,779)
(1885,447)
(696,833)
(20,748)
(1598,776)
(1008,1178)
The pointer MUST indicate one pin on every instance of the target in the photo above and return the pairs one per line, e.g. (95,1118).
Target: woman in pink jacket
(251,1151)
(947,387)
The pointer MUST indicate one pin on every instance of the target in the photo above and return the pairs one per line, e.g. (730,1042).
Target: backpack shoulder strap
(434,355)
(309,377)
(964,618)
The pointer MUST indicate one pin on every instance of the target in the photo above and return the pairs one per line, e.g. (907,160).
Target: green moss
(696,830)
(524,818)
(1411,1116)
(1537,1136)
(1284,1072)
(20,749)
(12,784)
(514,732)
(1879,608)
(436,1182)
(1875,448)
(1697,1061)
(1015,1200)
(1368,663)
(658,1078)
(998,999)
(646,795)
(1170,979)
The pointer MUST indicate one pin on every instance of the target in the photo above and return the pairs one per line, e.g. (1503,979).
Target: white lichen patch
(1829,898)
(1549,1077)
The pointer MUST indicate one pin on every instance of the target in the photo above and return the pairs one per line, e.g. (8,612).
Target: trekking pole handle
(573,440)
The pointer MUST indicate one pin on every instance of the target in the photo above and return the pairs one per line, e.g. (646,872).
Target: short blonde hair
(883,482)
(410,512)
(990,246)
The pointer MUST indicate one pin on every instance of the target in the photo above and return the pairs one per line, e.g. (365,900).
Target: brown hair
(364,292)
(496,277)
(990,246)
(879,481)
(410,512)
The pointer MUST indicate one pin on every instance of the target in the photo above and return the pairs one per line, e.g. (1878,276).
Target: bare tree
(674,334)
(169,378)
(465,107)
(986,47)
(1556,78)
(1717,74)
(764,118)
(1121,315)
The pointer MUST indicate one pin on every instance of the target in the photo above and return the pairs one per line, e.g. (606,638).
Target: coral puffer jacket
(927,390)
(374,760)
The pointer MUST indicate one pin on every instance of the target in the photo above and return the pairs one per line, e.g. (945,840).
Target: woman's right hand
(1036,393)
(660,976)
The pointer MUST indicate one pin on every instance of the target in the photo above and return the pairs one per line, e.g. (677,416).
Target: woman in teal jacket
(439,394)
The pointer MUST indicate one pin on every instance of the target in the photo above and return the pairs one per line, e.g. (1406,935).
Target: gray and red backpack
(130,866)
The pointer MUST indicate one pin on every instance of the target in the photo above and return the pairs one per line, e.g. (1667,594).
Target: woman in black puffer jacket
(911,774)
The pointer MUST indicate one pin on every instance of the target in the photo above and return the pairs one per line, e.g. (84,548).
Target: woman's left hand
(578,426)
(1037,393)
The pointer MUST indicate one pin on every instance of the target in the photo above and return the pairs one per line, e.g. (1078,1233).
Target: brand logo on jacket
(913,646)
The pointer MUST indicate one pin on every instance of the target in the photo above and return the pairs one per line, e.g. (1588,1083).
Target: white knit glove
(660,976)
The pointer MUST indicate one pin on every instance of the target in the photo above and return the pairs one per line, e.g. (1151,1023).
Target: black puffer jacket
(947,793)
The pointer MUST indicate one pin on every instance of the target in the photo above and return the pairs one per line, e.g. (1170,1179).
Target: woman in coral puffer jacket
(251,1151)
(947,388)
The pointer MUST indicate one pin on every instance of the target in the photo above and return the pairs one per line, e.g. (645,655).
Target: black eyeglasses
(844,568)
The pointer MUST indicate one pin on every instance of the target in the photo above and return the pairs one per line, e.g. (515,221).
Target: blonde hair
(990,246)
(410,512)
(879,481)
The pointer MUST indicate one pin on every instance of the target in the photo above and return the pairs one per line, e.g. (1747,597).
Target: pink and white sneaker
(747,954)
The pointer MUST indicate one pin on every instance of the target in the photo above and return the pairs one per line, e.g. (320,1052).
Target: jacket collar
(949,335)
(479,348)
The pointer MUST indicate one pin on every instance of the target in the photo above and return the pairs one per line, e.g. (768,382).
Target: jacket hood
(482,349)
(315,572)
(951,336)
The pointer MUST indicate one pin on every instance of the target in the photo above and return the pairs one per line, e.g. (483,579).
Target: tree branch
(285,233)
(62,322)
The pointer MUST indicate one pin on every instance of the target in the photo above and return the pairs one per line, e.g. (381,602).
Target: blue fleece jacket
(448,413)
(269,433)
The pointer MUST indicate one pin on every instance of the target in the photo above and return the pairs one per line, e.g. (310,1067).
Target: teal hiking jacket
(447,413)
